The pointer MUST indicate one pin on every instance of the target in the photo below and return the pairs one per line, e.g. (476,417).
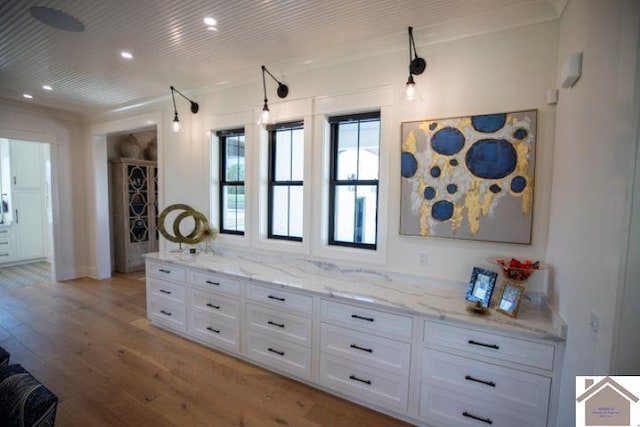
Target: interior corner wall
(592,175)
(65,133)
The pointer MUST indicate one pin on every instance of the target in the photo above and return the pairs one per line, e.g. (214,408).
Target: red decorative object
(515,269)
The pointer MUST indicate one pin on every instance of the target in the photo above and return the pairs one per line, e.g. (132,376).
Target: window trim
(334,121)
(222,135)
(272,182)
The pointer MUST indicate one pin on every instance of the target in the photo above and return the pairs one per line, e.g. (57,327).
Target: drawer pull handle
(368,350)
(279,325)
(4,243)
(211,282)
(280,353)
(354,378)
(165,312)
(368,319)
(470,378)
(276,298)
(162,270)
(165,292)
(217,307)
(475,417)
(209,328)
(4,254)
(3,231)
(472,342)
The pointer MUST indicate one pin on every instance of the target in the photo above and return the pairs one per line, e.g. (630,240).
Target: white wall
(503,71)
(592,172)
(64,132)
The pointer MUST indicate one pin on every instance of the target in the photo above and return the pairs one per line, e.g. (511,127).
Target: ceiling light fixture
(210,22)
(126,55)
(177,127)
(417,66)
(47,87)
(283,91)
(26,95)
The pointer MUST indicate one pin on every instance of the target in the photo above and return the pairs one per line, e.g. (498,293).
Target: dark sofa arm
(24,401)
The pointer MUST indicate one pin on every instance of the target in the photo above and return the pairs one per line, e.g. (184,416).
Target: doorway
(26,215)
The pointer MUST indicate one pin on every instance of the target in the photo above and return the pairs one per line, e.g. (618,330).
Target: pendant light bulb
(264,116)
(177,127)
(410,89)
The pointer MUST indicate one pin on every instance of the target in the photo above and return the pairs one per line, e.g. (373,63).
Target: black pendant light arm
(194,105)
(283,89)
(417,65)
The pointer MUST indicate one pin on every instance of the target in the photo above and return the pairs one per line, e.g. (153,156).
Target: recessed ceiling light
(212,28)
(126,55)
(26,95)
(47,87)
(210,22)
(307,62)
(223,82)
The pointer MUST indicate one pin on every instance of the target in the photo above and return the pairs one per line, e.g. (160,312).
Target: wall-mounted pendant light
(283,91)
(417,66)
(177,127)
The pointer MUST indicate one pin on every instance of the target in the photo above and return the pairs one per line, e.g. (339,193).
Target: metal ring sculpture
(200,221)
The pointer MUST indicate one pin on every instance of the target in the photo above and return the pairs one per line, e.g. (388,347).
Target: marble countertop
(411,294)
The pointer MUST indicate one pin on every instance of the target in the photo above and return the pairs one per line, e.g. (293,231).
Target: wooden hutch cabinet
(135,211)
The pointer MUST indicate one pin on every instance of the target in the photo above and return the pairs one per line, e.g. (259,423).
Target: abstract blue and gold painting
(469,177)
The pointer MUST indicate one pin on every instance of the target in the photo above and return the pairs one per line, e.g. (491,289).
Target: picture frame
(510,299)
(481,286)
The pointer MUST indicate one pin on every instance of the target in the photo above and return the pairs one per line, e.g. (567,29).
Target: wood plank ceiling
(171,44)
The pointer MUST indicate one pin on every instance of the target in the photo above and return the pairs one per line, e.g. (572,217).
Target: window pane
(279,217)
(297,155)
(365,214)
(343,213)
(234,158)
(369,150)
(347,151)
(233,207)
(283,156)
(295,211)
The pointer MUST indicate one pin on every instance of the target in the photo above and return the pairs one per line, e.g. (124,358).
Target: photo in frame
(481,285)
(511,299)
(469,177)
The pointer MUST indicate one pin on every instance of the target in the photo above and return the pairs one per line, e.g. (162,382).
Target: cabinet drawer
(520,391)
(167,271)
(290,327)
(280,299)
(364,383)
(375,352)
(215,331)
(165,312)
(165,290)
(279,354)
(367,319)
(487,344)
(210,304)
(214,282)
(448,408)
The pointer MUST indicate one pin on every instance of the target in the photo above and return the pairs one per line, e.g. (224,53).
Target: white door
(26,164)
(29,224)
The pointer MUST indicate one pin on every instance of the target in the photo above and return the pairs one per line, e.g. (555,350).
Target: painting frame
(481,286)
(450,190)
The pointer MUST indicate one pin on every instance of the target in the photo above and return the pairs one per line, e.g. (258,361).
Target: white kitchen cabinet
(418,367)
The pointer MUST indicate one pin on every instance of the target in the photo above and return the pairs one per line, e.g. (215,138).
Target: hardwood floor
(89,342)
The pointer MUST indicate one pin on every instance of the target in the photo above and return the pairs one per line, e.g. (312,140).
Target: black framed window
(286,176)
(353,189)
(232,195)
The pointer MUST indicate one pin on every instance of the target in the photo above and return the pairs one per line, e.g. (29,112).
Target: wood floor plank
(89,341)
